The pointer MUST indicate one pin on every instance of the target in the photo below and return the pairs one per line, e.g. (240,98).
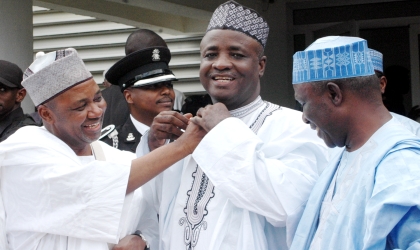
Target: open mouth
(92,126)
(223,78)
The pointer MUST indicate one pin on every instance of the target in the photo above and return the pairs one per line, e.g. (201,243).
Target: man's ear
(262,63)
(335,93)
(20,95)
(382,83)
(46,114)
(127,96)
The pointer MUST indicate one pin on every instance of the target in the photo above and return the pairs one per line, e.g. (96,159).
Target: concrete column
(16,37)
(276,85)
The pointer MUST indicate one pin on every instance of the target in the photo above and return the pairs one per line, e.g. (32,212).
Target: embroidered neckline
(247,109)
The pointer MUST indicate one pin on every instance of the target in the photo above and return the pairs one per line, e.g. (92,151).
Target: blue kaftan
(371,202)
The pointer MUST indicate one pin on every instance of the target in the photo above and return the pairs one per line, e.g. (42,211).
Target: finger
(165,114)
(177,120)
(166,131)
(198,121)
(183,118)
(188,115)
(200,112)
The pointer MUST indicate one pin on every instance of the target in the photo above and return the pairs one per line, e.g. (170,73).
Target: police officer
(145,80)
(12,94)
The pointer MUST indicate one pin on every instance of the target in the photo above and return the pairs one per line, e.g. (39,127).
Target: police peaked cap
(140,68)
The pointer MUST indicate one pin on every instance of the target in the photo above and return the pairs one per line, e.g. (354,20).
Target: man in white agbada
(246,184)
(377,60)
(368,197)
(57,191)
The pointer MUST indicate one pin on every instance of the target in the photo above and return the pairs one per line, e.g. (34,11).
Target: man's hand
(166,125)
(130,242)
(192,137)
(210,116)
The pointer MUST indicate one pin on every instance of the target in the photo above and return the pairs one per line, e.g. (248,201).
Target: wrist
(154,142)
(138,233)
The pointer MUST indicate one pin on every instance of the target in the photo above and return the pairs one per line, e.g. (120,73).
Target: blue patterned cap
(377,60)
(332,57)
(233,16)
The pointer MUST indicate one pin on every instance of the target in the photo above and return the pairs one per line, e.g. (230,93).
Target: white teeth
(223,78)
(92,125)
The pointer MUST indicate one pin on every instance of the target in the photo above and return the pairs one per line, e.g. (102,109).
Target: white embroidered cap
(332,57)
(233,16)
(53,73)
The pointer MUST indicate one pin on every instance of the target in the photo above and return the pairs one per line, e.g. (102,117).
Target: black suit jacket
(117,110)
(128,136)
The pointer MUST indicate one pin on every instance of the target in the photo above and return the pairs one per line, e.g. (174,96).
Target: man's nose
(222,62)
(96,110)
(304,119)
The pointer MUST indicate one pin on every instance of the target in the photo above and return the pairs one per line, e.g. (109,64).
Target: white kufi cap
(53,73)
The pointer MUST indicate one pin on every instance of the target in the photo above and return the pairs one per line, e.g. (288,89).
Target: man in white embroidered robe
(55,194)
(368,196)
(377,60)
(247,183)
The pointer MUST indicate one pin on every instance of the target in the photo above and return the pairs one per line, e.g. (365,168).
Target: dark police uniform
(140,68)
(127,137)
(12,122)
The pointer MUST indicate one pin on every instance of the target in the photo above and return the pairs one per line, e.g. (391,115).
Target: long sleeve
(395,196)
(148,206)
(56,193)
(271,173)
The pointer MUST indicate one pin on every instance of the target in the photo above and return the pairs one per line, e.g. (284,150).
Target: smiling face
(231,67)
(148,101)
(76,115)
(318,112)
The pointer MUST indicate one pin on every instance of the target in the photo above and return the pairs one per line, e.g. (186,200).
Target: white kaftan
(411,125)
(368,199)
(241,189)
(54,199)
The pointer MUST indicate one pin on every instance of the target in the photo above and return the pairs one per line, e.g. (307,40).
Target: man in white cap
(61,189)
(246,185)
(368,197)
(377,60)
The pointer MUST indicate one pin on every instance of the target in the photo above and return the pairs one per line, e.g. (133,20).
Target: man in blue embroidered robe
(369,196)
(246,185)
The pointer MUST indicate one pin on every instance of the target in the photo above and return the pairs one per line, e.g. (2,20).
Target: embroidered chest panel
(202,191)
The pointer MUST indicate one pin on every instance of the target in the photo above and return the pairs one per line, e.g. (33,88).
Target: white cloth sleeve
(272,178)
(3,240)
(50,191)
(148,206)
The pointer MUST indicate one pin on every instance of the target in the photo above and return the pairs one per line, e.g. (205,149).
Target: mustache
(165,99)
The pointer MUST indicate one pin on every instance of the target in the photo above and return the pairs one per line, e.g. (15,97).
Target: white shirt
(410,124)
(54,199)
(248,191)
(141,127)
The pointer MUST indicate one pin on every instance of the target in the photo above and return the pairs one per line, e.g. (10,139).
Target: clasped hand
(171,125)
